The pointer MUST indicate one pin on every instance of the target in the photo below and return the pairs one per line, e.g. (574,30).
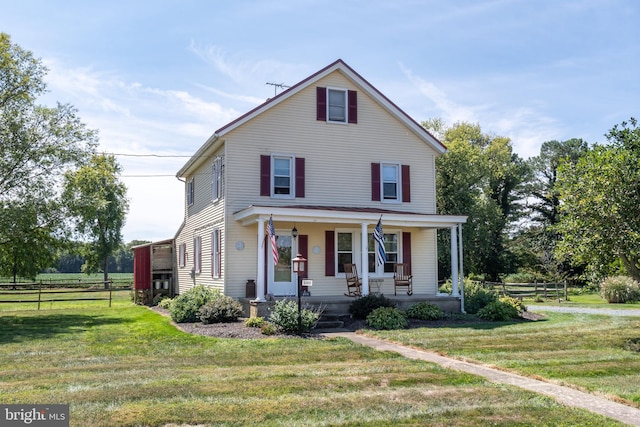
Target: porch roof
(346,215)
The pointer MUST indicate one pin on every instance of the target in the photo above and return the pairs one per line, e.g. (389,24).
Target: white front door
(281,277)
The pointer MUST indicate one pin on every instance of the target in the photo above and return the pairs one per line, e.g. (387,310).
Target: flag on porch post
(271,232)
(378,235)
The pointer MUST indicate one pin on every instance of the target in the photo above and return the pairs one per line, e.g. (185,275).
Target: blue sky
(158,77)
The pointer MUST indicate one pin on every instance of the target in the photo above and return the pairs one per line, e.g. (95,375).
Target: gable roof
(347,71)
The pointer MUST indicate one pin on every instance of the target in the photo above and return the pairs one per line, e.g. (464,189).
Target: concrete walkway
(564,395)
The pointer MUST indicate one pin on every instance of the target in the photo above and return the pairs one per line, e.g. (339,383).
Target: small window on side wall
(190,192)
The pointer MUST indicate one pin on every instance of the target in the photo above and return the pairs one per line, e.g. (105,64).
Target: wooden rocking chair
(354,286)
(402,278)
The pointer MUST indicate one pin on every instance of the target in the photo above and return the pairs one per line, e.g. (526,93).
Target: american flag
(271,232)
(381,256)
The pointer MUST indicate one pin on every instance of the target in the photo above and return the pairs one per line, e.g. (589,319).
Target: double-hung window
(190,192)
(390,182)
(216,254)
(345,250)
(182,255)
(283,176)
(217,170)
(337,105)
(391,253)
(197,254)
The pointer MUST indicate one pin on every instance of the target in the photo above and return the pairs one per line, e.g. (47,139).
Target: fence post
(110,290)
(39,293)
(566,298)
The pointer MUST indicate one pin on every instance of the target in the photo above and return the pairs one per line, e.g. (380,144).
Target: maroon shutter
(303,249)
(375,182)
(406,247)
(329,253)
(406,184)
(299,176)
(265,175)
(353,106)
(321,104)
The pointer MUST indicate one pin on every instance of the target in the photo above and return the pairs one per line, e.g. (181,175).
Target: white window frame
(216,259)
(217,169)
(398,182)
(197,250)
(292,176)
(379,269)
(345,93)
(190,192)
(182,255)
(337,251)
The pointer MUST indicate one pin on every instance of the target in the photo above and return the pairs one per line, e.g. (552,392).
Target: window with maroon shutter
(375,182)
(321,103)
(336,105)
(406,184)
(353,106)
(300,177)
(265,175)
(390,182)
(329,253)
(277,177)
(406,247)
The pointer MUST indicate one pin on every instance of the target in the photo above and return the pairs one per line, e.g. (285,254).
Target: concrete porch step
(329,321)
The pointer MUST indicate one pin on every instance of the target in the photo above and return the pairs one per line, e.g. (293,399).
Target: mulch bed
(239,330)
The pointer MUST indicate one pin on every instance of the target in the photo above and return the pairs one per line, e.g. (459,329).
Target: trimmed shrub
(284,315)
(268,329)
(425,311)
(515,302)
(498,311)
(475,295)
(220,309)
(620,289)
(165,303)
(184,308)
(362,307)
(387,318)
(255,322)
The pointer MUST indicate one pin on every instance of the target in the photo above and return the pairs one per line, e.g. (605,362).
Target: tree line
(54,185)
(570,213)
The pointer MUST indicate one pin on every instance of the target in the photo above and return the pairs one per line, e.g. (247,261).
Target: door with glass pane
(281,277)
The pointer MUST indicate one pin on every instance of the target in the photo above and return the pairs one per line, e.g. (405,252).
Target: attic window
(336,105)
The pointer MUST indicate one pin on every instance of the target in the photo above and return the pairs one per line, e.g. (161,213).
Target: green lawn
(596,353)
(128,366)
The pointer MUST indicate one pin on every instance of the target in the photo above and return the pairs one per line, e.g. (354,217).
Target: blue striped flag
(271,231)
(378,235)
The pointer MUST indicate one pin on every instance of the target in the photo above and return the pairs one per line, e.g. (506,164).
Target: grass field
(597,353)
(128,366)
(74,277)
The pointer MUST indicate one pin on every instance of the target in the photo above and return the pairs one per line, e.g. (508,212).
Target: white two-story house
(325,159)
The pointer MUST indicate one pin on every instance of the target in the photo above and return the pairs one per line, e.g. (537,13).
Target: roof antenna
(282,86)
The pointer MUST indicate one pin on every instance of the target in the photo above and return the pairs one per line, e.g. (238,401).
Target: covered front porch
(319,233)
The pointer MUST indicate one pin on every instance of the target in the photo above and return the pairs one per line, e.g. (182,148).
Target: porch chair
(402,278)
(354,285)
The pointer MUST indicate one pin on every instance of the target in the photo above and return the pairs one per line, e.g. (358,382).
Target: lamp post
(299,265)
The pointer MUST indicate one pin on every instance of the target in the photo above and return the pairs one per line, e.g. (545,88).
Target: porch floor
(339,304)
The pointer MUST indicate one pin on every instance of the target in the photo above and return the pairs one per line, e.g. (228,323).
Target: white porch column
(460,254)
(260,275)
(364,272)
(454,262)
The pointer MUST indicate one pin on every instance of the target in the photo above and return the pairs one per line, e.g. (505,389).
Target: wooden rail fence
(544,290)
(49,292)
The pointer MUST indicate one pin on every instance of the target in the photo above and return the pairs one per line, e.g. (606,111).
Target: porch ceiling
(346,215)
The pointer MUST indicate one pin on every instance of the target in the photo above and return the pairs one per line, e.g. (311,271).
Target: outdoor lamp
(294,231)
(299,267)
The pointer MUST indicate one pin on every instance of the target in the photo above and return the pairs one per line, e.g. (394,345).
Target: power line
(152,155)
